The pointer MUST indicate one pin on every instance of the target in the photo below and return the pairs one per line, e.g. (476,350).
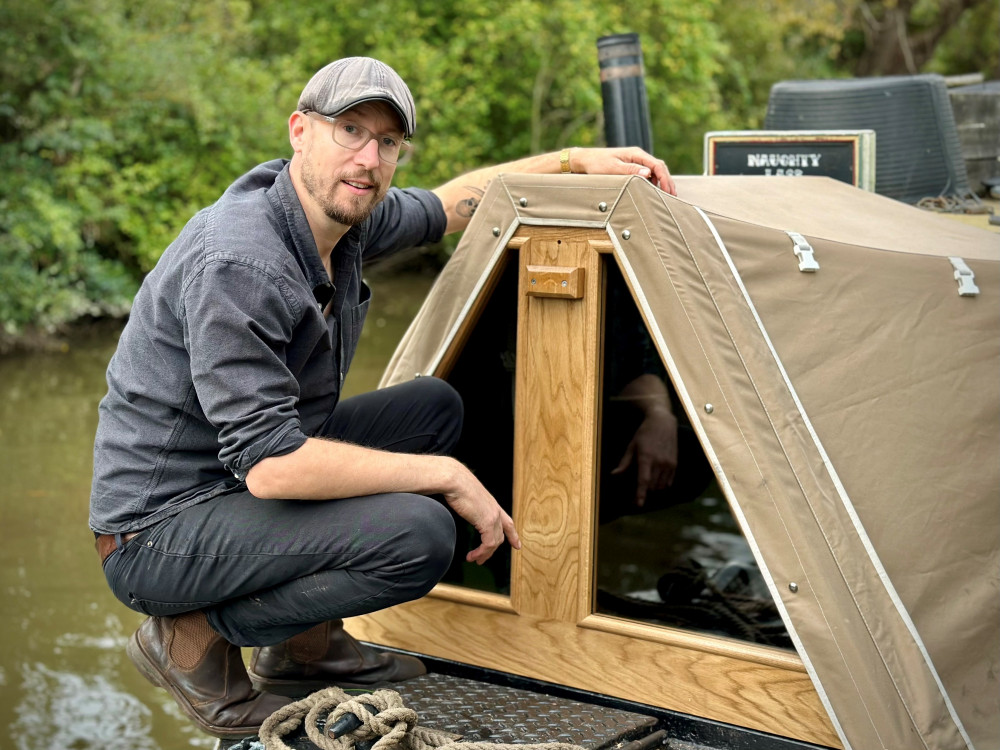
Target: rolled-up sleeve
(239,317)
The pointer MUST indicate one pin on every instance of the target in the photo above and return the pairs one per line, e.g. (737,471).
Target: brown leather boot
(203,672)
(327,655)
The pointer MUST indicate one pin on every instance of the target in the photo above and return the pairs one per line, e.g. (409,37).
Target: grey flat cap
(345,83)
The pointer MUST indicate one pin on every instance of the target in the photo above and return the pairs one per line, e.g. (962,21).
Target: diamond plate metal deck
(483,712)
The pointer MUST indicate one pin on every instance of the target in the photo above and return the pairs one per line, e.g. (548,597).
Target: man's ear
(298,129)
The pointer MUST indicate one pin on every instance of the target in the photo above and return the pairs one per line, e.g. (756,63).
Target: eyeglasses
(355,137)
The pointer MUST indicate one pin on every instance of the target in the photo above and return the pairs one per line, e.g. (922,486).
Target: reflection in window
(484,376)
(668,549)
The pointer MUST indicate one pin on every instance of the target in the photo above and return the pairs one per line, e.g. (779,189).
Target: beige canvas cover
(849,348)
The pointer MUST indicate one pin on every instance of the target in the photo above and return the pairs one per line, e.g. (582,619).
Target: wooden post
(555,444)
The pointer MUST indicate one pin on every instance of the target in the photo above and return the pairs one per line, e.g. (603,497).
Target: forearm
(328,470)
(649,394)
(653,447)
(331,470)
(461,196)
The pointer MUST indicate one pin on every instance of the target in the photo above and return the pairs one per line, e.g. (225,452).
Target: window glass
(668,549)
(484,376)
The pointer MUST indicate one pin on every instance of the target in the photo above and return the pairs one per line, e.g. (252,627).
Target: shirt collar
(299,237)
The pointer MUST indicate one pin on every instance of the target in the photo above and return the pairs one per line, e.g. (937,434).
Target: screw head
(709,408)
(602,206)
(496,231)
(626,234)
(523,202)
(793,587)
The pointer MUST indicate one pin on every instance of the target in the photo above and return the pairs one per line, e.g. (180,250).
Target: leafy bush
(119,119)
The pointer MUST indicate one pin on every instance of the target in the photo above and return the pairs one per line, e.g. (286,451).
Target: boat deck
(485,706)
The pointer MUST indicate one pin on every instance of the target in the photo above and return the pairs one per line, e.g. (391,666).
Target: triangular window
(668,549)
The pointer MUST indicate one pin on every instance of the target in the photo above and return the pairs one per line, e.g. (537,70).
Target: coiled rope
(390,726)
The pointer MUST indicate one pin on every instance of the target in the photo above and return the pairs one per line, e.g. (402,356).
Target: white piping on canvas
(557,222)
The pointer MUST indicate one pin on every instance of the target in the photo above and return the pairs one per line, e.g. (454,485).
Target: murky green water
(65,682)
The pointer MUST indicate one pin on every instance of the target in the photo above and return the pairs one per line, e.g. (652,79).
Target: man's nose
(367,155)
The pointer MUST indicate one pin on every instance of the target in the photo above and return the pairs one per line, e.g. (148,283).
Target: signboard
(845,155)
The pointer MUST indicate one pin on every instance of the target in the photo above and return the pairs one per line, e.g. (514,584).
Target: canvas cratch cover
(850,348)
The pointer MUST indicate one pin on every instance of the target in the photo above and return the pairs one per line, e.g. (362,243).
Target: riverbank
(416,268)
(62,339)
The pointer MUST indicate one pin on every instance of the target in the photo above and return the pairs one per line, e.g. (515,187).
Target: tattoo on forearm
(467,207)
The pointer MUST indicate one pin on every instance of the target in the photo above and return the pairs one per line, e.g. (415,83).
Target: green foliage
(495,81)
(900,37)
(770,41)
(119,118)
(115,130)
(972,45)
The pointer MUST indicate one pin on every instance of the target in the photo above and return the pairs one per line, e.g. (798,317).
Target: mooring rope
(385,724)
(968,204)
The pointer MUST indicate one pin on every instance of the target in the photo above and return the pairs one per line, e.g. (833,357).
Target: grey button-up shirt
(227,357)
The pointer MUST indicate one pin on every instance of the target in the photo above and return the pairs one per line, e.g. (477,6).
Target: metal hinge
(804,252)
(965,277)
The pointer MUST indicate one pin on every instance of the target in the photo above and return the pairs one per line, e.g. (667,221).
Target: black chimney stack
(623,89)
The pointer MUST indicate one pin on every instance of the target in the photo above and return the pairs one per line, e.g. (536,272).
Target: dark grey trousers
(265,570)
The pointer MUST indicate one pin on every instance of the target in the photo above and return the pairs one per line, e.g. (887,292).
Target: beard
(351,210)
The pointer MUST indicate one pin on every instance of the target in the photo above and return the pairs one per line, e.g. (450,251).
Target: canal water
(65,682)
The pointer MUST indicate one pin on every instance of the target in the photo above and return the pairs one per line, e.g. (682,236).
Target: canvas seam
(557,222)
